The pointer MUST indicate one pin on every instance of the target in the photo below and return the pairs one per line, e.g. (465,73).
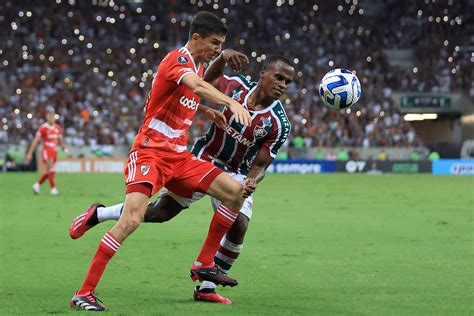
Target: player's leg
(230,193)
(135,205)
(229,250)
(162,210)
(230,247)
(44,176)
(51,176)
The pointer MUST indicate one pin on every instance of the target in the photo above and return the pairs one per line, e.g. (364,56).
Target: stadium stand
(94,62)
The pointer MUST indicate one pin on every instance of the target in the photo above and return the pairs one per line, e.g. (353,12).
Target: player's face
(210,46)
(51,118)
(276,79)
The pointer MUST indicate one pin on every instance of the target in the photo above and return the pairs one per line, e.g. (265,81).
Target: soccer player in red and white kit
(159,157)
(51,136)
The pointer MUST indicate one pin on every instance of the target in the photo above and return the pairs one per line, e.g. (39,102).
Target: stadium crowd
(94,62)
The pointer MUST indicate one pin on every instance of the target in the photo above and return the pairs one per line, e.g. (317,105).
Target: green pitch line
(317,245)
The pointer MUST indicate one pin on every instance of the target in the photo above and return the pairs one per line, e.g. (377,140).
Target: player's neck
(50,124)
(258,101)
(194,53)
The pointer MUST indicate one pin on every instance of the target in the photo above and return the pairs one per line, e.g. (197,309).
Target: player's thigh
(49,164)
(224,188)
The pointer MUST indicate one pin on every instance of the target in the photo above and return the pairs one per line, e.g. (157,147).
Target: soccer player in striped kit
(50,135)
(244,152)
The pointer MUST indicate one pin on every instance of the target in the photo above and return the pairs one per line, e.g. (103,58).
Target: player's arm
(62,144)
(213,115)
(216,69)
(29,153)
(257,171)
(207,91)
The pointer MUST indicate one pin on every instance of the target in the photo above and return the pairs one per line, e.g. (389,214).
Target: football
(340,89)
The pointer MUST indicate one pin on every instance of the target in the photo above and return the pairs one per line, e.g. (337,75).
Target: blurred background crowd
(94,62)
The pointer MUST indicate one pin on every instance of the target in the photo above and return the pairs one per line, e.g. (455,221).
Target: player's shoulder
(243,81)
(280,114)
(43,126)
(179,55)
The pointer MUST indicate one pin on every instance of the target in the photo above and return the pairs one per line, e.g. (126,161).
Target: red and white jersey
(50,135)
(171,106)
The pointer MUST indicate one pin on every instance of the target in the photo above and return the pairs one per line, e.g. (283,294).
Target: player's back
(171,106)
(234,147)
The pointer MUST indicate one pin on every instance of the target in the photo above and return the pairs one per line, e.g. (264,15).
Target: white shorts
(186,202)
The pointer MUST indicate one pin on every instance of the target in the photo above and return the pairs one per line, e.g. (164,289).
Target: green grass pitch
(317,245)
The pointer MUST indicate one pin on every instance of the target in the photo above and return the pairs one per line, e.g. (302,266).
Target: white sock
(207,285)
(109,212)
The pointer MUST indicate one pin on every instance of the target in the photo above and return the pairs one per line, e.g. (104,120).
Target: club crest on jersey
(144,170)
(236,95)
(259,130)
(183,60)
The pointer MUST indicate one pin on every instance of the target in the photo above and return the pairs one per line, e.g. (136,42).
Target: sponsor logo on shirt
(189,103)
(238,136)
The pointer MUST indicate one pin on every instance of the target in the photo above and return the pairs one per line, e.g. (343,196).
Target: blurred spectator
(433,156)
(382,156)
(331,156)
(94,61)
(415,156)
(342,155)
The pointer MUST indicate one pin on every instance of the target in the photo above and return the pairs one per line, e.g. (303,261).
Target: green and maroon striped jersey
(234,147)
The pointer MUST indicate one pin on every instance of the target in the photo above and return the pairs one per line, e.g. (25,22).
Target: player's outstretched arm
(257,172)
(208,92)
(216,69)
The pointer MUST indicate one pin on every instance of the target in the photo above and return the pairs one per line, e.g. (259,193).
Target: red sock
(43,178)
(108,246)
(221,222)
(52,184)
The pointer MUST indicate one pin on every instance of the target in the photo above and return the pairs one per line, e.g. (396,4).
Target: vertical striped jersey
(235,147)
(171,106)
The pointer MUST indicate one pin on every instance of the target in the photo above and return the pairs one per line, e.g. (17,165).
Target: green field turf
(317,245)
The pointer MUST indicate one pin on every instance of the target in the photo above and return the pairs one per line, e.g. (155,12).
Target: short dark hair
(206,23)
(272,59)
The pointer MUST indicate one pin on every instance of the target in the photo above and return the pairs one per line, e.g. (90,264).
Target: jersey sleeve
(277,137)
(41,131)
(175,66)
(227,84)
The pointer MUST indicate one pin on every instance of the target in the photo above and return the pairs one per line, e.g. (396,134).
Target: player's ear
(263,71)
(196,37)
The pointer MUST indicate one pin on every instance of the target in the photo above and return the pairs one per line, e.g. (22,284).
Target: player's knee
(235,199)
(130,224)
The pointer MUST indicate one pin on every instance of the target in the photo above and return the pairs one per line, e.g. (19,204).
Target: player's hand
(216,116)
(250,185)
(241,114)
(66,152)
(235,59)
(27,159)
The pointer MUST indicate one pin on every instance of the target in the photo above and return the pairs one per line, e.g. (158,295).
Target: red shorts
(181,173)
(48,154)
